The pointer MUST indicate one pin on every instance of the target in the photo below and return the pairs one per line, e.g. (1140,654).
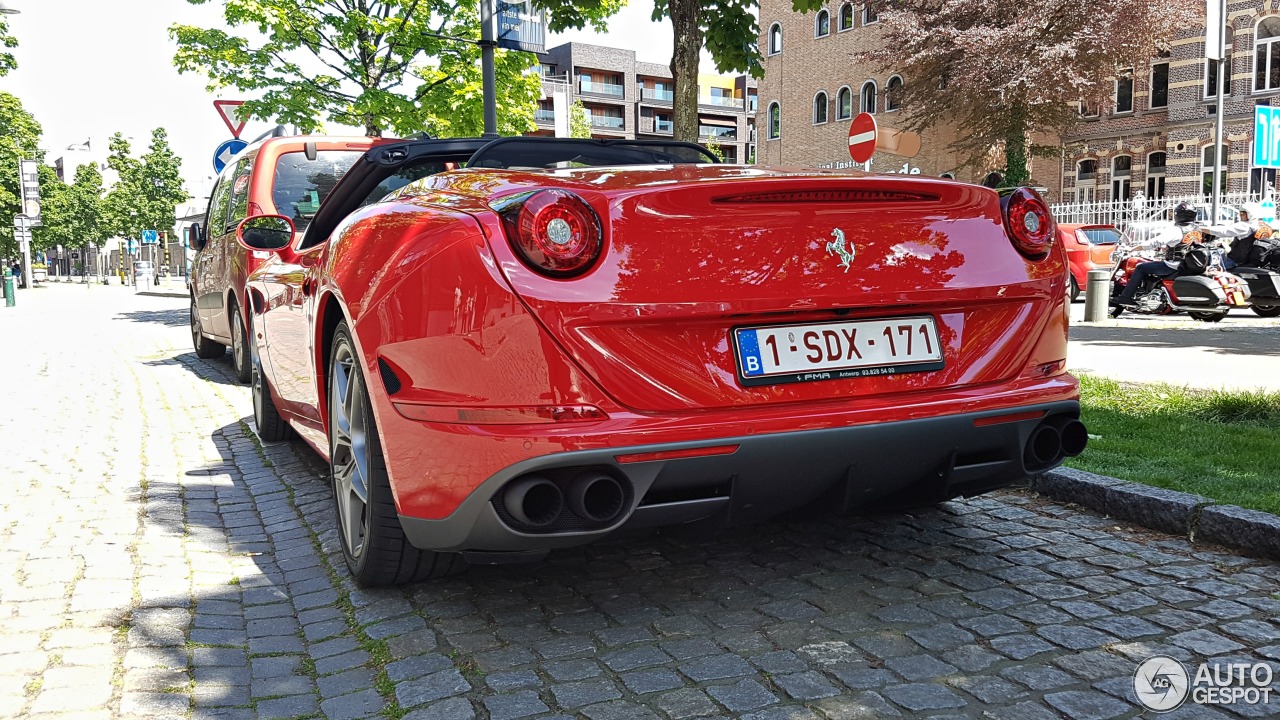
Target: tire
(1211,317)
(271,427)
(1267,312)
(205,348)
(1073,289)
(240,359)
(373,542)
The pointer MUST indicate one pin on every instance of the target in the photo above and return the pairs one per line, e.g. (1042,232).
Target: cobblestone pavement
(155,561)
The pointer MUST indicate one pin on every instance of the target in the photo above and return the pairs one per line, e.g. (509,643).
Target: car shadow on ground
(173,317)
(219,370)
(930,609)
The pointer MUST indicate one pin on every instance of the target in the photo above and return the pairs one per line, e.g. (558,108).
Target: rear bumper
(836,469)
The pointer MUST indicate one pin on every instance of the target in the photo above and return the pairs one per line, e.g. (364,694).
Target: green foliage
(713,147)
(149,188)
(579,120)
(377,64)
(7,61)
(1220,444)
(74,215)
(19,140)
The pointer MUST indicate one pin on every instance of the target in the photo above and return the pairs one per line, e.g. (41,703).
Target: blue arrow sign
(150,237)
(1266,136)
(227,152)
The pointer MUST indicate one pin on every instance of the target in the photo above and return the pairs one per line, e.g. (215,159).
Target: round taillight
(1028,222)
(557,233)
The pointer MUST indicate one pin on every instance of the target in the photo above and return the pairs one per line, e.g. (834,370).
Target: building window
(1160,85)
(893,94)
(822,24)
(775,39)
(820,104)
(775,121)
(846,17)
(844,103)
(1262,181)
(1088,108)
(1121,174)
(1124,92)
(1206,169)
(1155,175)
(1211,79)
(993,179)
(1086,170)
(869,14)
(948,176)
(868,97)
(1266,55)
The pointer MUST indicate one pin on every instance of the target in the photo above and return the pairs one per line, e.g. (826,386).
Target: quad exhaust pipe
(592,495)
(1053,440)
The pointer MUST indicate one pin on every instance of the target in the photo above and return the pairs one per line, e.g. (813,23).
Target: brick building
(626,98)
(812,89)
(1155,133)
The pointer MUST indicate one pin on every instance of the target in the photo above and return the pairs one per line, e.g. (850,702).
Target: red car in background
(287,176)
(1089,247)
(571,337)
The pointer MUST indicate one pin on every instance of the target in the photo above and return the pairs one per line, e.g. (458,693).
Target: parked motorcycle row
(1214,276)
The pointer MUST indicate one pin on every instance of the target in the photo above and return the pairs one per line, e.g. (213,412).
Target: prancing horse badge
(836,247)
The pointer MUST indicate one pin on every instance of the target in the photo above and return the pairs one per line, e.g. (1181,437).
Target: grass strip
(1222,444)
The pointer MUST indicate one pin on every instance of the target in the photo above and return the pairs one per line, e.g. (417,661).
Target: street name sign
(521,26)
(1266,136)
(227,152)
(862,137)
(227,111)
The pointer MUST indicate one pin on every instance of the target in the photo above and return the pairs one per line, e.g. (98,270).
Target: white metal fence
(1123,213)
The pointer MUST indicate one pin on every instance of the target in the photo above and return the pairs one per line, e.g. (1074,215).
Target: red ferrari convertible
(512,346)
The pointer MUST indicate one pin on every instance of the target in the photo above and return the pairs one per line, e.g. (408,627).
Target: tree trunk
(371,126)
(1016,170)
(684,66)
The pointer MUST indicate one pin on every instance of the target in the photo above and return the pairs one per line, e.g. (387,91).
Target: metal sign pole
(1220,63)
(487,44)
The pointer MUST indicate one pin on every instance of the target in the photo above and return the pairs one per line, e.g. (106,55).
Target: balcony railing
(716,131)
(547,116)
(606,121)
(664,126)
(588,85)
(721,101)
(657,94)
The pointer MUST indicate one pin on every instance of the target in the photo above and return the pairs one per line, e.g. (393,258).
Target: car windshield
(300,185)
(1101,235)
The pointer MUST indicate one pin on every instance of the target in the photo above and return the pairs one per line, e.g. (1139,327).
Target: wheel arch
(329,312)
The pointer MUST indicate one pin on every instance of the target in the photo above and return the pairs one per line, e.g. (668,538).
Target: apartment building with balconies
(627,98)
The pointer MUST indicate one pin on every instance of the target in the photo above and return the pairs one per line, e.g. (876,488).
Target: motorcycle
(1201,287)
(1258,264)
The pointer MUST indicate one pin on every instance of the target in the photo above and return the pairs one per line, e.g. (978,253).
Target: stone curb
(164,293)
(1192,516)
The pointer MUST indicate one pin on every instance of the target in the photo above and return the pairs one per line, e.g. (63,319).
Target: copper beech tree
(1000,70)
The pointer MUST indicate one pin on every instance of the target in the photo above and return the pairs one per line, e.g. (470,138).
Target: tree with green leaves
(19,140)
(729,32)
(149,188)
(579,120)
(9,42)
(397,65)
(1001,73)
(74,215)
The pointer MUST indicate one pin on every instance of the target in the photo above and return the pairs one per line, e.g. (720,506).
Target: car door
(228,248)
(207,286)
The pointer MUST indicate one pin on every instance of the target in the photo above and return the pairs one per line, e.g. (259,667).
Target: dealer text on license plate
(828,351)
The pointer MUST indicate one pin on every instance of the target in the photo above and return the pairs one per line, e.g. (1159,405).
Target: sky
(90,68)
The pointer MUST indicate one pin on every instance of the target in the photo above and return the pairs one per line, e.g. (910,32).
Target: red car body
(1088,247)
(482,371)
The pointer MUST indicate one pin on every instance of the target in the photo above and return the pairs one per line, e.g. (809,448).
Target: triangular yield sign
(227,111)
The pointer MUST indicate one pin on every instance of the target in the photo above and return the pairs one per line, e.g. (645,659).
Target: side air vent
(389,378)
(828,196)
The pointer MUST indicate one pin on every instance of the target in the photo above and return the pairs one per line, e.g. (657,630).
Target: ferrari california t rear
(551,356)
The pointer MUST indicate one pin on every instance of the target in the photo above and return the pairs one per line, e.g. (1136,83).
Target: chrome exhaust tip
(534,501)
(596,496)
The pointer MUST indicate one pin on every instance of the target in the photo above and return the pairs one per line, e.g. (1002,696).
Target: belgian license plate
(834,350)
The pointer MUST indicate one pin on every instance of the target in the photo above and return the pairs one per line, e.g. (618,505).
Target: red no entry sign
(862,137)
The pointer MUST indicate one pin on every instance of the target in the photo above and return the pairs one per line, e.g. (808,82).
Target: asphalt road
(1240,352)
(156,562)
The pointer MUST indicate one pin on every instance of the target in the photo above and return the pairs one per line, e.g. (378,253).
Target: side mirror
(265,232)
(195,236)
